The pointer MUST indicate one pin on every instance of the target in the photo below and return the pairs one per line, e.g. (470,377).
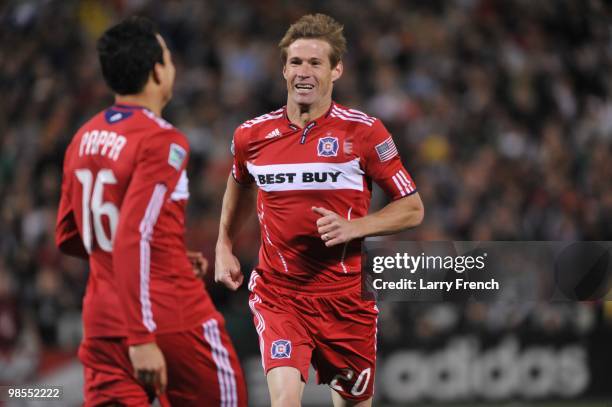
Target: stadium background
(502,111)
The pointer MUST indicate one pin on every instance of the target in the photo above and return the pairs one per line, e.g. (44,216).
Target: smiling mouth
(304,86)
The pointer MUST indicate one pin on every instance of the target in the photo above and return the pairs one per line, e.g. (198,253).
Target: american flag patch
(386,150)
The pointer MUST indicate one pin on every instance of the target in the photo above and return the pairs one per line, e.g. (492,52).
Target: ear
(285,71)
(156,73)
(337,71)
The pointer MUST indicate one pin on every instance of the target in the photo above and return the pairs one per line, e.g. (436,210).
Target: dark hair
(318,26)
(128,52)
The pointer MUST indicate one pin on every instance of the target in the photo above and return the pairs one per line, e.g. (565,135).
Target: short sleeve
(239,151)
(382,163)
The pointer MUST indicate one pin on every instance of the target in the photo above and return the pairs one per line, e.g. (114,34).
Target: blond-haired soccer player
(313,162)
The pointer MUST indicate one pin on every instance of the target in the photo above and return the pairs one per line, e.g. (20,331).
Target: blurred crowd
(502,111)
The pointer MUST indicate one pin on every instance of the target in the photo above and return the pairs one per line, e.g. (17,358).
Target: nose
(303,71)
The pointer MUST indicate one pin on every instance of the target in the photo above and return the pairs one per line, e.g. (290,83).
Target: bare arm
(398,215)
(238,202)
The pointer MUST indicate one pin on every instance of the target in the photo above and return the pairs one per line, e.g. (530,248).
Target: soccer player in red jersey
(313,162)
(150,327)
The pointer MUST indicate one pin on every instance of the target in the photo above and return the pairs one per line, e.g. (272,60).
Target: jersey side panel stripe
(146,233)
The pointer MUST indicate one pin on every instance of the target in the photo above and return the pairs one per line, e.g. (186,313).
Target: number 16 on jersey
(94,208)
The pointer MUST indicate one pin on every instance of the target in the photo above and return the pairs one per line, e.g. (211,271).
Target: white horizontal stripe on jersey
(343,116)
(355,111)
(355,114)
(308,176)
(277,114)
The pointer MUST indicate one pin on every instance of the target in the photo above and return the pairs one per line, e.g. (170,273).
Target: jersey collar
(310,125)
(293,128)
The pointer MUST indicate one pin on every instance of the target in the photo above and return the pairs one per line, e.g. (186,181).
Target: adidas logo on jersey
(274,133)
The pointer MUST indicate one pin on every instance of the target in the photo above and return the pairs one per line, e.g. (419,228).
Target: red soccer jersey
(329,163)
(124,193)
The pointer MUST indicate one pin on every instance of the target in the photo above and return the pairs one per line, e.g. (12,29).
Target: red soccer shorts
(203,370)
(336,333)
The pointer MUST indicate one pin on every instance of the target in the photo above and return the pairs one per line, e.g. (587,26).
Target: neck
(143,100)
(302,114)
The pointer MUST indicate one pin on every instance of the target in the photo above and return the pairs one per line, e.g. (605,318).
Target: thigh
(345,352)
(285,386)
(108,374)
(283,337)
(203,367)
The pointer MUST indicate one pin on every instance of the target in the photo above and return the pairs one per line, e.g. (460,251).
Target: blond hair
(316,26)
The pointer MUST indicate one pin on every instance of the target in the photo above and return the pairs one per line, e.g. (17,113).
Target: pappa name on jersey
(103,142)
(291,177)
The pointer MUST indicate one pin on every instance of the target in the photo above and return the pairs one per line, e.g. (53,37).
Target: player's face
(309,73)
(166,71)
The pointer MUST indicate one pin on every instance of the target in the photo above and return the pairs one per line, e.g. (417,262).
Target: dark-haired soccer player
(314,162)
(150,327)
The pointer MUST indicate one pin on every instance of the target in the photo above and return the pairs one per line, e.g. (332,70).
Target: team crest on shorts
(281,349)
(328,147)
